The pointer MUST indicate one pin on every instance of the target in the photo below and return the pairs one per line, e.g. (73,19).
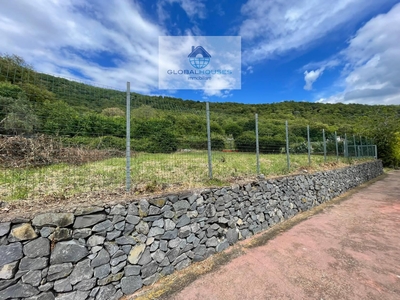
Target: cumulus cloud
(274,27)
(69,37)
(372,63)
(310,77)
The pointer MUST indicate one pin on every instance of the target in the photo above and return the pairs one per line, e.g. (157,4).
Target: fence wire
(60,137)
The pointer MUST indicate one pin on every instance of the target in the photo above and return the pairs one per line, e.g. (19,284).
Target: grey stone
(132,219)
(118,210)
(115,269)
(152,279)
(19,290)
(88,210)
(112,248)
(46,287)
(158,256)
(61,234)
(10,253)
(181,205)
(95,240)
(149,269)
(62,285)
(200,250)
(8,271)
(81,233)
(168,270)
(32,277)
(179,259)
(46,231)
(120,226)
(132,270)
(94,291)
(115,261)
(59,271)
(85,284)
(110,278)
(22,232)
(183,264)
(154,246)
(210,210)
(106,225)
(172,254)
(183,221)
(37,248)
(222,246)
(81,295)
(232,236)
(145,259)
(106,292)
(131,284)
(169,214)
(142,227)
(82,271)
(163,245)
(102,258)
(125,240)
(4,228)
(143,208)
(174,243)
(43,296)
(153,210)
(159,202)
(33,263)
(170,235)
(88,220)
(102,271)
(154,231)
(53,219)
(169,225)
(212,242)
(133,209)
(136,253)
(184,232)
(159,223)
(70,251)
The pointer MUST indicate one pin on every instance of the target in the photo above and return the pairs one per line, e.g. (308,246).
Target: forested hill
(32,102)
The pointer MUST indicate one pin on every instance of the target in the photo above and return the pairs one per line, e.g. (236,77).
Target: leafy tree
(10,90)
(20,118)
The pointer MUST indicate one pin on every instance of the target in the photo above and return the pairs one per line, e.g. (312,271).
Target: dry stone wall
(103,253)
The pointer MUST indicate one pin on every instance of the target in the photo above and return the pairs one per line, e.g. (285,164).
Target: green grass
(148,172)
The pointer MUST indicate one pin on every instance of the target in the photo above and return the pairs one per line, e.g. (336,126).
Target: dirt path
(351,250)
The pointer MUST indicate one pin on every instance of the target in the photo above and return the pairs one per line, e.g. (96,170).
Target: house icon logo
(199,57)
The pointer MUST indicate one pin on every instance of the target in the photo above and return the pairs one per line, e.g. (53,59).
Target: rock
(81,233)
(53,219)
(4,228)
(81,295)
(88,220)
(46,231)
(69,251)
(169,225)
(46,287)
(133,209)
(158,256)
(102,258)
(212,242)
(59,271)
(95,240)
(106,225)
(32,277)
(172,254)
(183,221)
(159,223)
(102,271)
(184,232)
(106,292)
(62,285)
(149,269)
(8,271)
(33,263)
(132,270)
(131,284)
(43,296)
(110,278)
(118,259)
(146,258)
(143,208)
(222,246)
(85,284)
(118,210)
(232,236)
(22,232)
(112,248)
(117,268)
(10,253)
(82,271)
(154,231)
(87,210)
(153,210)
(37,248)
(169,214)
(160,202)
(210,210)
(142,228)
(152,279)
(181,205)
(174,243)
(61,234)
(170,235)
(131,219)
(19,290)
(125,240)
(136,253)
(183,264)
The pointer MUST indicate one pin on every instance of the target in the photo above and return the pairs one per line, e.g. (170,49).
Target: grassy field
(149,172)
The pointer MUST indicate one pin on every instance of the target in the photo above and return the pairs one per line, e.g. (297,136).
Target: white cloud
(372,63)
(274,27)
(59,36)
(193,8)
(310,77)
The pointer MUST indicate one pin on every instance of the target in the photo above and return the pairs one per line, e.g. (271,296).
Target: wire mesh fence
(60,137)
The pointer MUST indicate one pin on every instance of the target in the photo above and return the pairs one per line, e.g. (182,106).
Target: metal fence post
(128,136)
(309,145)
(287,145)
(209,141)
(337,147)
(257,146)
(376,151)
(324,139)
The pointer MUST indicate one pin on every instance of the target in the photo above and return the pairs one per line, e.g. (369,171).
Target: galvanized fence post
(257,146)
(287,145)
(324,140)
(376,151)
(128,136)
(337,147)
(309,145)
(209,141)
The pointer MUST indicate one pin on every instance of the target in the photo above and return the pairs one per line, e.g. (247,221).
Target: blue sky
(316,50)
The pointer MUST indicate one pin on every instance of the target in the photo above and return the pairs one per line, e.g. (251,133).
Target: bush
(247,143)
(200,143)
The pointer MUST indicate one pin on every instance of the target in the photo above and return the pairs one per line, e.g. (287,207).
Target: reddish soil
(351,250)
